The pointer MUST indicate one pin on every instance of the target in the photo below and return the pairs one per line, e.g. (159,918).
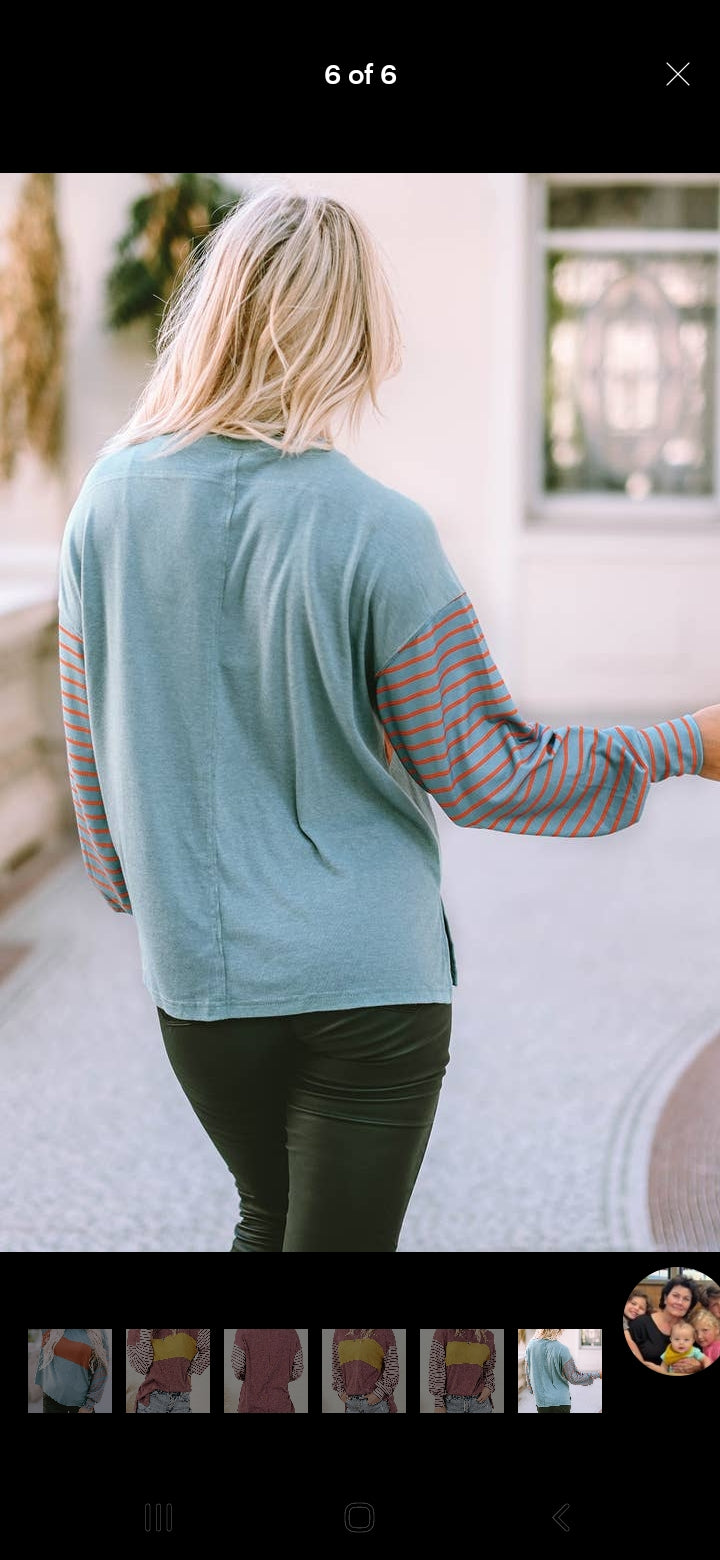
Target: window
(626,292)
(590,1337)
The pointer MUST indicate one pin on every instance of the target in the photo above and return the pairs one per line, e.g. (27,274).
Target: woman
(268,668)
(73,1368)
(167,1357)
(265,1361)
(365,1369)
(462,1370)
(551,1370)
(647,1336)
(636,1305)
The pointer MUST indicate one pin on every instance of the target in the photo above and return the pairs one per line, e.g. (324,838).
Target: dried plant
(32,329)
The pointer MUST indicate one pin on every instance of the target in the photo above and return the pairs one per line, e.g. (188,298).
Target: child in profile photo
(707,1332)
(167,1357)
(682,1346)
(637,1304)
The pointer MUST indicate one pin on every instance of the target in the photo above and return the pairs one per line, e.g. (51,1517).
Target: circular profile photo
(671,1321)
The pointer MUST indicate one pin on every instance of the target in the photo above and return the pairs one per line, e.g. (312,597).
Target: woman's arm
(488,1370)
(201,1360)
(96,1388)
(453,724)
(140,1349)
(337,1377)
(297,1365)
(390,1375)
(437,1374)
(99,855)
(579,1378)
(237,1359)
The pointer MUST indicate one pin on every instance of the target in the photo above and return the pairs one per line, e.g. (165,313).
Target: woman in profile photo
(266,1361)
(269,667)
(649,1336)
(551,1370)
(462,1370)
(167,1357)
(365,1369)
(72,1369)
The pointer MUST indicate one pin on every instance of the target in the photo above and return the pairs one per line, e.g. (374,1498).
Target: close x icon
(677,75)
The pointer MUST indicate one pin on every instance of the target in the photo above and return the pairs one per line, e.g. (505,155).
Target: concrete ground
(589,986)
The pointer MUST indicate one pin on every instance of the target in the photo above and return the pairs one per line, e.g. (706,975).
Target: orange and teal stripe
(450,718)
(99,854)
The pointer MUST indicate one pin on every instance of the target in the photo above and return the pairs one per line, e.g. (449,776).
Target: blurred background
(557,414)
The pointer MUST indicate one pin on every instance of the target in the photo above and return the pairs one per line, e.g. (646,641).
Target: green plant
(163,229)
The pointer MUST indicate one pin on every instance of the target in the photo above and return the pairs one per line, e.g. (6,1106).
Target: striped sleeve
(337,1376)
(578,1378)
(489,1366)
(437,1377)
(451,721)
(390,1375)
(297,1367)
(140,1349)
(98,851)
(237,1359)
(201,1360)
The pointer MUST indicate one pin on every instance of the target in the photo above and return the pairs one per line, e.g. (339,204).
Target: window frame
(605,512)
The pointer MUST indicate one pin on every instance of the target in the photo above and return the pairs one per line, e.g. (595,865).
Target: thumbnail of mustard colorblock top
(364,1365)
(461,1364)
(168,1357)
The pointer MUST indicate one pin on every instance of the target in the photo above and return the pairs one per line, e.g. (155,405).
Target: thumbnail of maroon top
(265,1359)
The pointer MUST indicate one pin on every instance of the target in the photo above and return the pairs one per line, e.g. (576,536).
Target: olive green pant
(322,1118)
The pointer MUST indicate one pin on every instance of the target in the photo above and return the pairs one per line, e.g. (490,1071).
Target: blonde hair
(283,322)
(548,1332)
(477,1330)
(56,1333)
(703,1315)
(365,1332)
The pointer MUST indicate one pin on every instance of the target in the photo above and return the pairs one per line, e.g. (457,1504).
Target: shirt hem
(321,1002)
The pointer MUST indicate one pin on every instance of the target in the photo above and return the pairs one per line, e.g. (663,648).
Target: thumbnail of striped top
(265,1360)
(167,1357)
(363,1366)
(461,1364)
(268,668)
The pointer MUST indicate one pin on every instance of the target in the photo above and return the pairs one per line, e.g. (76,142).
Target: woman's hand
(343,1397)
(709,722)
(686,1367)
(372,1400)
(440,1408)
(84,1410)
(484,1395)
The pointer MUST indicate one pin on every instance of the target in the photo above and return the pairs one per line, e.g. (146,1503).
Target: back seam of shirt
(213,737)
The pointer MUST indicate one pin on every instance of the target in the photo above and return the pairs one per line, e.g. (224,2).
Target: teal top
(70,1383)
(550,1369)
(268,666)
